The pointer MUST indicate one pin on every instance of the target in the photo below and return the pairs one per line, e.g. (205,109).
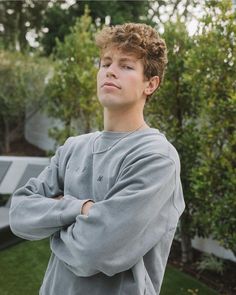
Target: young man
(109,201)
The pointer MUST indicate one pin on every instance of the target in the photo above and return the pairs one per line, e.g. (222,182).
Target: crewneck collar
(116,134)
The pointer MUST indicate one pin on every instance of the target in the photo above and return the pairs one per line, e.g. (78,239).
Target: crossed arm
(85,207)
(97,237)
(39,208)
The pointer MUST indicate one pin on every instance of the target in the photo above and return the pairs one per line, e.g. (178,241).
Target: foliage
(22,86)
(18,18)
(58,20)
(48,20)
(119,11)
(211,262)
(196,108)
(212,64)
(174,111)
(161,11)
(72,90)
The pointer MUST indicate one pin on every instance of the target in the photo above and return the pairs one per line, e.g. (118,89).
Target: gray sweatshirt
(121,247)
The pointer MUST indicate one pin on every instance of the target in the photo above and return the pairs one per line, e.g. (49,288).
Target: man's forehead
(116,53)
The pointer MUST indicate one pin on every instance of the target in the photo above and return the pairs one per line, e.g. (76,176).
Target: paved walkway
(14,173)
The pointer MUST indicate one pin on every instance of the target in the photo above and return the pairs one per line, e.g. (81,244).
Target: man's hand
(58,197)
(86,207)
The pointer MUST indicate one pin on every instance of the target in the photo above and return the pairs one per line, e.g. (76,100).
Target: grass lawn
(22,268)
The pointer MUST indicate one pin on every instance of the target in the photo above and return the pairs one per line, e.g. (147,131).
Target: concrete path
(14,173)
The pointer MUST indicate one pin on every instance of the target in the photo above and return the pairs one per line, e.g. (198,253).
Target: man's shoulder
(77,142)
(80,138)
(155,142)
(158,143)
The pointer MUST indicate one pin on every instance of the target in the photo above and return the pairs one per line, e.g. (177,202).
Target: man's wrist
(58,197)
(86,207)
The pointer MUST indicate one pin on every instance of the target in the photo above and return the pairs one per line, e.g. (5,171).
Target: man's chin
(111,104)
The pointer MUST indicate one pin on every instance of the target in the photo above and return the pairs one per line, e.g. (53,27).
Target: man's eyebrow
(122,59)
(128,59)
(105,58)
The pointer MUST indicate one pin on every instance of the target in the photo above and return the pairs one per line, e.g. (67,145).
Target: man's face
(120,80)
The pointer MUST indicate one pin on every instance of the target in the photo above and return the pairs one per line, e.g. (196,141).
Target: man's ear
(152,85)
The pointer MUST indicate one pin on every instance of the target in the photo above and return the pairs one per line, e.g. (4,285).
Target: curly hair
(140,39)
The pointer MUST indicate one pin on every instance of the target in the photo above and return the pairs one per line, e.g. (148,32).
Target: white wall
(37,127)
(212,247)
(36,131)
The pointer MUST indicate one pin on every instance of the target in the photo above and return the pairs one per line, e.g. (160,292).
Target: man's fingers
(58,197)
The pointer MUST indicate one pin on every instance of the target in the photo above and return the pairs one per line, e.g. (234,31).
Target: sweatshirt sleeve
(135,214)
(34,214)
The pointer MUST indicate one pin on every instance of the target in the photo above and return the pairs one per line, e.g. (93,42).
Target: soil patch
(224,283)
(24,148)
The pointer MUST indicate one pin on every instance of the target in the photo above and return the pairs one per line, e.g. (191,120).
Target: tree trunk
(18,26)
(186,245)
(87,125)
(186,248)
(6,135)
(10,134)
(17,132)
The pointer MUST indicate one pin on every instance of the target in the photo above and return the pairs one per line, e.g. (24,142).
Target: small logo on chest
(100,177)
(84,169)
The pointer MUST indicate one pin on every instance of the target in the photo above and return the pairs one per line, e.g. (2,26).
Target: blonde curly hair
(140,39)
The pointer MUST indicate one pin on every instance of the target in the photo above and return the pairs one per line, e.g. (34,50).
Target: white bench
(14,173)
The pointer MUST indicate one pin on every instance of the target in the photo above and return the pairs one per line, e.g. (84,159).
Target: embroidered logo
(100,178)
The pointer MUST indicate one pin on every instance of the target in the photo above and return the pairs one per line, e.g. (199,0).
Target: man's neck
(123,120)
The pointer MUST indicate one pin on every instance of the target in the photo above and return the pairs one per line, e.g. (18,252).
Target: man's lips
(111,84)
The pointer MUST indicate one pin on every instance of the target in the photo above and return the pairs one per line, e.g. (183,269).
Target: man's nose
(111,71)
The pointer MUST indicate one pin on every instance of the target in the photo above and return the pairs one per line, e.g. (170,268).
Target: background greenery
(195,107)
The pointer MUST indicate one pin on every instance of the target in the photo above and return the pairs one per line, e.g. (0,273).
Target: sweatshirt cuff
(71,208)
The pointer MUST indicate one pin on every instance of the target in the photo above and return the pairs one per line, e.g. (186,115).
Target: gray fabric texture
(121,247)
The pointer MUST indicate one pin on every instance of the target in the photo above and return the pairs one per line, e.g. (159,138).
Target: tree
(164,11)
(196,108)
(72,90)
(58,23)
(18,18)
(58,20)
(174,111)
(47,20)
(22,82)
(212,64)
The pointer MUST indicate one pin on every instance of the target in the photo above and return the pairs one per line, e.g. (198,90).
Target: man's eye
(105,65)
(127,67)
